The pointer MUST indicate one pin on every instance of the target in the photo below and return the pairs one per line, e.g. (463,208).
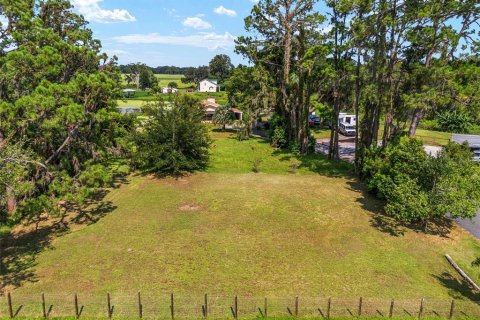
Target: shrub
(256,165)
(277,132)
(223,116)
(173,140)
(454,121)
(430,125)
(420,188)
(279,139)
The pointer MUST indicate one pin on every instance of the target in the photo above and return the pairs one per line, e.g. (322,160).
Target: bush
(256,165)
(475,129)
(454,121)
(420,188)
(173,140)
(277,132)
(430,125)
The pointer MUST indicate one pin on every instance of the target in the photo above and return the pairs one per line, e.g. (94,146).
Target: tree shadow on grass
(316,163)
(391,226)
(19,249)
(458,288)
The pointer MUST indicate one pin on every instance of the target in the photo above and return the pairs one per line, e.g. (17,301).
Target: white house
(208,85)
(167,90)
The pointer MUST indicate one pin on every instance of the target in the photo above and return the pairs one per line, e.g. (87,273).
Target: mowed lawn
(299,227)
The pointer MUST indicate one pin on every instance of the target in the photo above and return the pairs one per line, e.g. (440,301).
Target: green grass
(165,79)
(321,132)
(131,103)
(434,138)
(233,156)
(220,97)
(305,230)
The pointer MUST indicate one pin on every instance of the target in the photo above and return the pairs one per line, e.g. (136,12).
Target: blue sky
(166,32)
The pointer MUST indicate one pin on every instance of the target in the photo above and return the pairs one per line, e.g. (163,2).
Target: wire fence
(222,307)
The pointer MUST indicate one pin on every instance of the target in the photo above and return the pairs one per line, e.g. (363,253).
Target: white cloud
(211,41)
(196,23)
(225,11)
(92,11)
(118,52)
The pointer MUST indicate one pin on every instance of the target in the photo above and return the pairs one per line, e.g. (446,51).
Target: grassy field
(434,138)
(142,98)
(299,227)
(165,79)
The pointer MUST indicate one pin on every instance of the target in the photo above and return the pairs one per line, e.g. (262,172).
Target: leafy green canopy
(282,39)
(173,139)
(221,67)
(421,188)
(57,105)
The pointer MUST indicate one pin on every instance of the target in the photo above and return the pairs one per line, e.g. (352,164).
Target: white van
(346,129)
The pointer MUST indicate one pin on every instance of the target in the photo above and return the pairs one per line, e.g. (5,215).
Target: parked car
(346,129)
(315,119)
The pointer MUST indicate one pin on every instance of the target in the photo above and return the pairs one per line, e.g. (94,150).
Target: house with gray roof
(472,140)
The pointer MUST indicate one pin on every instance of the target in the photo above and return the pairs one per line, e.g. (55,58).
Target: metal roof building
(473,142)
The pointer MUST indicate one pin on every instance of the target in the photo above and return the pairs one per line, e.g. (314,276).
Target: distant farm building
(128,93)
(210,105)
(168,90)
(208,85)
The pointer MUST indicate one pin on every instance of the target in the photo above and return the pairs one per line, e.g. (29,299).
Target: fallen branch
(462,273)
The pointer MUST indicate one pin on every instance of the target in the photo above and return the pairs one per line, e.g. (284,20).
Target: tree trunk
(357,106)
(11,200)
(417,117)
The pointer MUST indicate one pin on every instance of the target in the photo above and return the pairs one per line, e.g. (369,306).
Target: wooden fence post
(140,306)
(109,306)
(296,306)
(265,308)
(76,307)
(10,306)
(206,305)
(44,308)
(452,307)
(172,311)
(360,304)
(329,305)
(236,307)
(391,308)
(420,312)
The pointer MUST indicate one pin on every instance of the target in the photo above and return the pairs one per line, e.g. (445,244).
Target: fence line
(222,307)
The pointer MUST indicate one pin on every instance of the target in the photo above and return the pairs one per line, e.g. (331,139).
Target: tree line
(394,64)
(143,76)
